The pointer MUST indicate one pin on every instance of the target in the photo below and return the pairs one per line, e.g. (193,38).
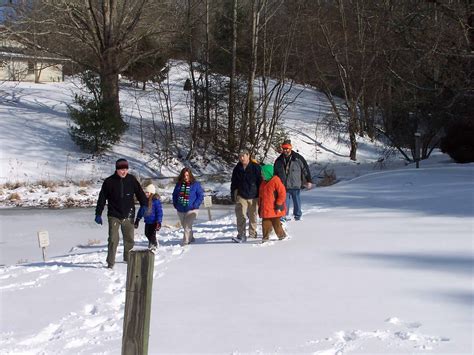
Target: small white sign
(43,239)
(207,201)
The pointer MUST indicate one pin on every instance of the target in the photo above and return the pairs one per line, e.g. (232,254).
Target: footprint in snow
(91,309)
(345,341)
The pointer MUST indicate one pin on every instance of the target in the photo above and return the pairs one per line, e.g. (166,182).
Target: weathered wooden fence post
(136,322)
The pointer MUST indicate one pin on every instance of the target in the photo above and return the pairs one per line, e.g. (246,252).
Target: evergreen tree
(92,129)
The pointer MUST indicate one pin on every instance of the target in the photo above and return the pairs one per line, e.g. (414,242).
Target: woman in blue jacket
(153,214)
(187,197)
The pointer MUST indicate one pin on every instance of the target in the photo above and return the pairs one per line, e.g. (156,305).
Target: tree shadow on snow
(82,265)
(458,264)
(453,264)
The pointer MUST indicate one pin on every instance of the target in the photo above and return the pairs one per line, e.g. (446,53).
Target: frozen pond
(67,228)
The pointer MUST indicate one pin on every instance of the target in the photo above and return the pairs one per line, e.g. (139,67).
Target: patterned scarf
(183,198)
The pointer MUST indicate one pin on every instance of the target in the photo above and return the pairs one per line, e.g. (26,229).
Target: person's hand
(232,196)
(309,185)
(158,226)
(98,219)
(137,221)
(279,207)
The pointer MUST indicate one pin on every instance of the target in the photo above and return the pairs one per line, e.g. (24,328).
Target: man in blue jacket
(246,179)
(118,191)
(294,172)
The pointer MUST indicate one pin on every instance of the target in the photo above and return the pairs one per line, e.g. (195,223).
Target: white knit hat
(150,188)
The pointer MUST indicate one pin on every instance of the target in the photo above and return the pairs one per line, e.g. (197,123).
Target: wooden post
(136,322)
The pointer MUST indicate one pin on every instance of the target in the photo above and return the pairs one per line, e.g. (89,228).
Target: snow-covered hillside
(36,147)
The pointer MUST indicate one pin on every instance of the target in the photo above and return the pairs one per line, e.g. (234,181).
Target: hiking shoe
(152,247)
(281,238)
(110,266)
(237,239)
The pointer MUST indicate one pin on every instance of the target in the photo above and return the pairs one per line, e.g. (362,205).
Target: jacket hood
(267,172)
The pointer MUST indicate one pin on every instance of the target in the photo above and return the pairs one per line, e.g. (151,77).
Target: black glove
(136,223)
(232,196)
(158,226)
(279,207)
(98,219)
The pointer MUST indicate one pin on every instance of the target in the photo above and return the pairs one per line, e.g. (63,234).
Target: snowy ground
(379,264)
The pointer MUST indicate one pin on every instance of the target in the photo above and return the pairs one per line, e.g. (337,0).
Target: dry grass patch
(84,183)
(14,197)
(48,184)
(12,185)
(70,202)
(53,202)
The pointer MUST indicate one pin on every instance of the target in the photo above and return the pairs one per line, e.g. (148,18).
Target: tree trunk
(208,104)
(249,117)
(109,85)
(353,144)
(231,109)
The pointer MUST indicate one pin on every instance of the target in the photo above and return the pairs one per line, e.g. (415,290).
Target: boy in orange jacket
(271,203)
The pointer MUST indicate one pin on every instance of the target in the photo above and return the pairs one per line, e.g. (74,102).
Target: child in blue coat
(153,214)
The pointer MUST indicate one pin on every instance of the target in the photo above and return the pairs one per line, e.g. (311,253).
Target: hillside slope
(36,147)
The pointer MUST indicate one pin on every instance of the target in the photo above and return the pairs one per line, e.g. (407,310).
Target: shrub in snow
(458,142)
(92,128)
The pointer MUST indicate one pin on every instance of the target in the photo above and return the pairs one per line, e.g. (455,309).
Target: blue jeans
(295,197)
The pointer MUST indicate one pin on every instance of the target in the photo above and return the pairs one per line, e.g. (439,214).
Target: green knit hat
(267,172)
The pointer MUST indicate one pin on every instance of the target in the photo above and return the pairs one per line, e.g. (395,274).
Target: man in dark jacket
(118,190)
(294,172)
(246,179)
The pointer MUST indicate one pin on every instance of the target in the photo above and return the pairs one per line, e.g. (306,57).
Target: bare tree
(99,35)
(429,72)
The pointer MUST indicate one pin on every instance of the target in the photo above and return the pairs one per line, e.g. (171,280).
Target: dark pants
(126,225)
(150,233)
